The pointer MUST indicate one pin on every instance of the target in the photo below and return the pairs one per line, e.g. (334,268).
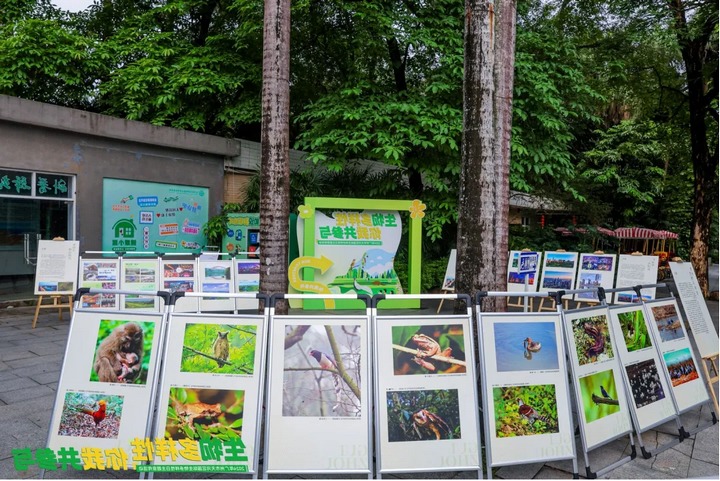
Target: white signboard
(449,279)
(642,368)
(677,354)
(140,275)
(318,395)
(427,415)
(216,277)
(57,267)
(598,381)
(525,388)
(696,310)
(104,396)
(596,270)
(558,273)
(100,274)
(247,281)
(211,390)
(636,271)
(180,276)
(515,281)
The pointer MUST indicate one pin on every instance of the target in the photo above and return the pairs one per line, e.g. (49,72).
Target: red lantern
(542,221)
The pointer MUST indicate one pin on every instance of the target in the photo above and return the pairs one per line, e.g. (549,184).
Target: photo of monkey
(204,413)
(91,415)
(219,349)
(122,352)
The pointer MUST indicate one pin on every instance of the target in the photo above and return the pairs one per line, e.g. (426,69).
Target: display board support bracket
(56,304)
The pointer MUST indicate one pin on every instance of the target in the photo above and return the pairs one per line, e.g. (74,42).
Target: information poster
(596,270)
(103,398)
(100,274)
(140,275)
(449,279)
(678,358)
(216,277)
(148,216)
(516,282)
(181,276)
(318,417)
(426,400)
(242,235)
(598,381)
(525,388)
(247,281)
(636,271)
(559,269)
(696,310)
(57,267)
(641,364)
(211,390)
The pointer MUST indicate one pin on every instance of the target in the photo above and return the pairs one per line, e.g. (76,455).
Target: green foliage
(634,330)
(200,337)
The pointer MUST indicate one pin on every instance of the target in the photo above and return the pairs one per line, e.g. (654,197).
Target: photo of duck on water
(525,346)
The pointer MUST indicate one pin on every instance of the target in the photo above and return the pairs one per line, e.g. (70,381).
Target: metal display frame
(470,376)
(484,378)
(318,440)
(262,324)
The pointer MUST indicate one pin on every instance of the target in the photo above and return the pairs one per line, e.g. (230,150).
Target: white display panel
(642,368)
(558,274)
(141,276)
(525,388)
(216,276)
(212,387)
(180,276)
(247,281)
(678,357)
(515,281)
(696,310)
(99,274)
(598,381)
(635,271)
(318,419)
(595,270)
(57,267)
(427,400)
(94,380)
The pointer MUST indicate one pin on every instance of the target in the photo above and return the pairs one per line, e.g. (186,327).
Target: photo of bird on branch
(219,348)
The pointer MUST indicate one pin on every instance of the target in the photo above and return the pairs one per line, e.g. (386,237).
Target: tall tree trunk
(694,46)
(476,207)
(275,150)
(505,14)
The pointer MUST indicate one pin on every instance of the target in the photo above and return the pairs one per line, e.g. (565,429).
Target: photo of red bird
(91,415)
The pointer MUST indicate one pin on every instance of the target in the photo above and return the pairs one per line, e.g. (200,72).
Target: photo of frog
(204,413)
(430,349)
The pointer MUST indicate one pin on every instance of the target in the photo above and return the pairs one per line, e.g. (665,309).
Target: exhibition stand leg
(526,398)
(448,291)
(426,416)
(57,303)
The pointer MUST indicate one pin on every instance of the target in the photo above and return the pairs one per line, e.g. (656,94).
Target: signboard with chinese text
(634,271)
(242,235)
(57,267)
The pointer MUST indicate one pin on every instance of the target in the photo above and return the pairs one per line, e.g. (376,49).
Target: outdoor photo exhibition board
(140,275)
(99,274)
(635,271)
(696,310)
(641,366)
(598,381)
(247,281)
(516,281)
(449,279)
(57,267)
(595,270)
(103,397)
(678,358)
(211,387)
(216,277)
(180,276)
(525,388)
(558,272)
(426,397)
(318,416)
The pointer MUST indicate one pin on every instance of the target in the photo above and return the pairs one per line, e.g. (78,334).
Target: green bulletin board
(153,217)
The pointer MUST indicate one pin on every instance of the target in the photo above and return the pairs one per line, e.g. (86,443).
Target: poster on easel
(449,278)
(216,277)
(635,270)
(595,270)
(427,398)
(651,399)
(247,281)
(678,358)
(558,273)
(180,276)
(140,275)
(99,274)
(104,394)
(57,267)
(211,389)
(598,382)
(516,281)
(525,388)
(695,307)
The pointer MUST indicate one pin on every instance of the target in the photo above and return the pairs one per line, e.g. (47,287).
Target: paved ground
(31,359)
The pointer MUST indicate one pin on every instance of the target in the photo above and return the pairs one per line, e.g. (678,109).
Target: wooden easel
(56,304)
(712,360)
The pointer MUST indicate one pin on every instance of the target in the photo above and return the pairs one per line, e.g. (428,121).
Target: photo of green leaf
(219,348)
(634,330)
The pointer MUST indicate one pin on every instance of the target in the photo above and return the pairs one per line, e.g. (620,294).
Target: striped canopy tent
(652,241)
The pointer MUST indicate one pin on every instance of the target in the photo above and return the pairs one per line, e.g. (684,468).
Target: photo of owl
(219,348)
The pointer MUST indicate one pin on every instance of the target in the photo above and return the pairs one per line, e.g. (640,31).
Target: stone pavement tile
(46,377)
(4,367)
(519,471)
(40,404)
(551,473)
(36,369)
(15,384)
(49,359)
(22,395)
(45,348)
(633,470)
(8,471)
(706,445)
(16,353)
(701,469)
(672,462)
(686,446)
